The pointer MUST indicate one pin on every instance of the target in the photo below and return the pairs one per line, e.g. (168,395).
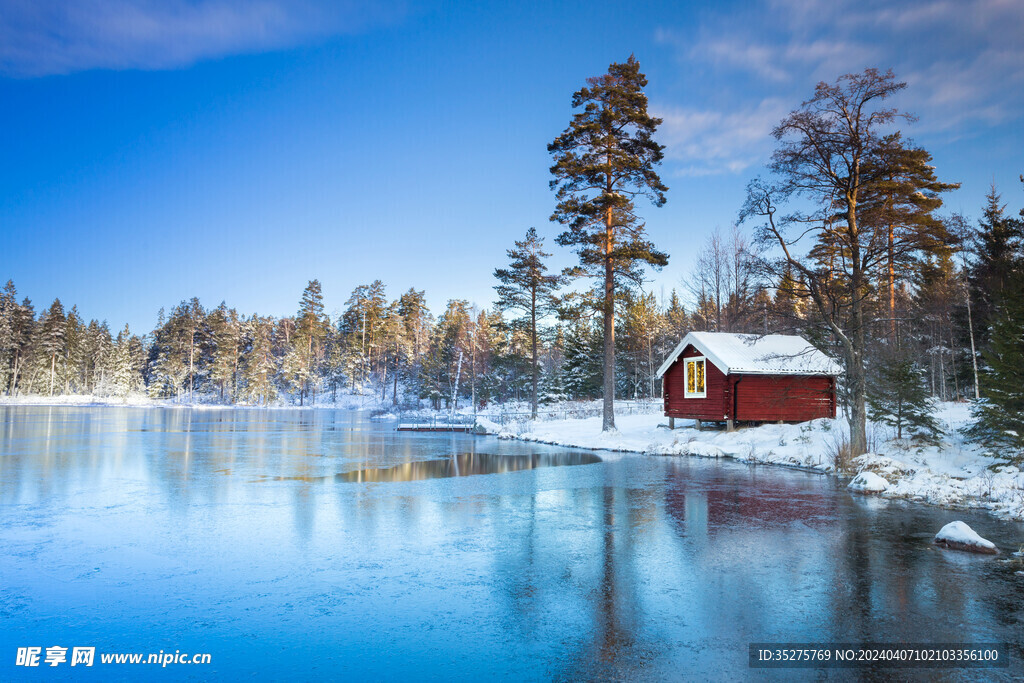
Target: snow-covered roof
(769,354)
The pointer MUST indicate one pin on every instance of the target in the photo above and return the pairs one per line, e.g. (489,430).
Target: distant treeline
(399,351)
(395,349)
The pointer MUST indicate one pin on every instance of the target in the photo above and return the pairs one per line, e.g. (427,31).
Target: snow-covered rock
(868,482)
(958,536)
(891,469)
(485,426)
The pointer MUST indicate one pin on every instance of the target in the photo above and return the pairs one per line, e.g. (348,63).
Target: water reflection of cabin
(725,377)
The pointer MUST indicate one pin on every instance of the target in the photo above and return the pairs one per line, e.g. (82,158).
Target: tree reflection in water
(465,465)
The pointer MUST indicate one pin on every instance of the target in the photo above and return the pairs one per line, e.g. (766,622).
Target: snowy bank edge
(906,480)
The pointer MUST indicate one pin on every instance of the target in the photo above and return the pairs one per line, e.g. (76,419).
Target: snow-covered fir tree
(898,396)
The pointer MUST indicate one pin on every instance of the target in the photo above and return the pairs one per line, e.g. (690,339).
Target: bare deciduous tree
(830,150)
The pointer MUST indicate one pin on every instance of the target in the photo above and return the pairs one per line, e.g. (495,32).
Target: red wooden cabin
(724,377)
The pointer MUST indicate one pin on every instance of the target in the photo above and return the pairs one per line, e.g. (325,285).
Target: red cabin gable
(720,377)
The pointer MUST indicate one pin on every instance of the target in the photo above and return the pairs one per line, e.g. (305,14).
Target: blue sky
(159,150)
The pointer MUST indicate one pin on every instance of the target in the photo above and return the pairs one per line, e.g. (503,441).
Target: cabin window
(694,369)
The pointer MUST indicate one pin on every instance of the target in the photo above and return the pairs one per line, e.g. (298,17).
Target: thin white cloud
(760,59)
(715,141)
(781,62)
(963,62)
(952,95)
(45,37)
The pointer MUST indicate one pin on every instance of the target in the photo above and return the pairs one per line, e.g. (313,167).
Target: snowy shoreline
(954,474)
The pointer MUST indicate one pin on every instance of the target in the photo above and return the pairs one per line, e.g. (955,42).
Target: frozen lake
(317,544)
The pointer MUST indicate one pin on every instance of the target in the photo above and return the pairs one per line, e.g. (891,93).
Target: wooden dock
(435,426)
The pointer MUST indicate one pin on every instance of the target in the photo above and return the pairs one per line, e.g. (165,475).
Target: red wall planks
(755,398)
(790,398)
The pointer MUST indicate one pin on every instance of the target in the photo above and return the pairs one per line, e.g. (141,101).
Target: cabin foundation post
(730,425)
(671,423)
(699,424)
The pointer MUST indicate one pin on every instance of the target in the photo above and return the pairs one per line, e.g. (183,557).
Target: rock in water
(959,536)
(868,482)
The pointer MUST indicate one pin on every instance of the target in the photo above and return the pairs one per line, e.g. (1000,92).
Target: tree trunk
(472,370)
(970,329)
(191,358)
(608,412)
(855,368)
(892,285)
(16,369)
(942,367)
(952,363)
(533,354)
(309,361)
(455,388)
(899,420)
(650,366)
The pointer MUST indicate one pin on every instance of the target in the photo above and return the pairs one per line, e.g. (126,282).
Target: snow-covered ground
(955,473)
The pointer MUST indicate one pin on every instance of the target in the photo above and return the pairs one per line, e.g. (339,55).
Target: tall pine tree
(8,341)
(226,332)
(604,160)
(1000,413)
(260,367)
(900,203)
(898,396)
(997,247)
(526,286)
(582,368)
(51,341)
(308,342)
